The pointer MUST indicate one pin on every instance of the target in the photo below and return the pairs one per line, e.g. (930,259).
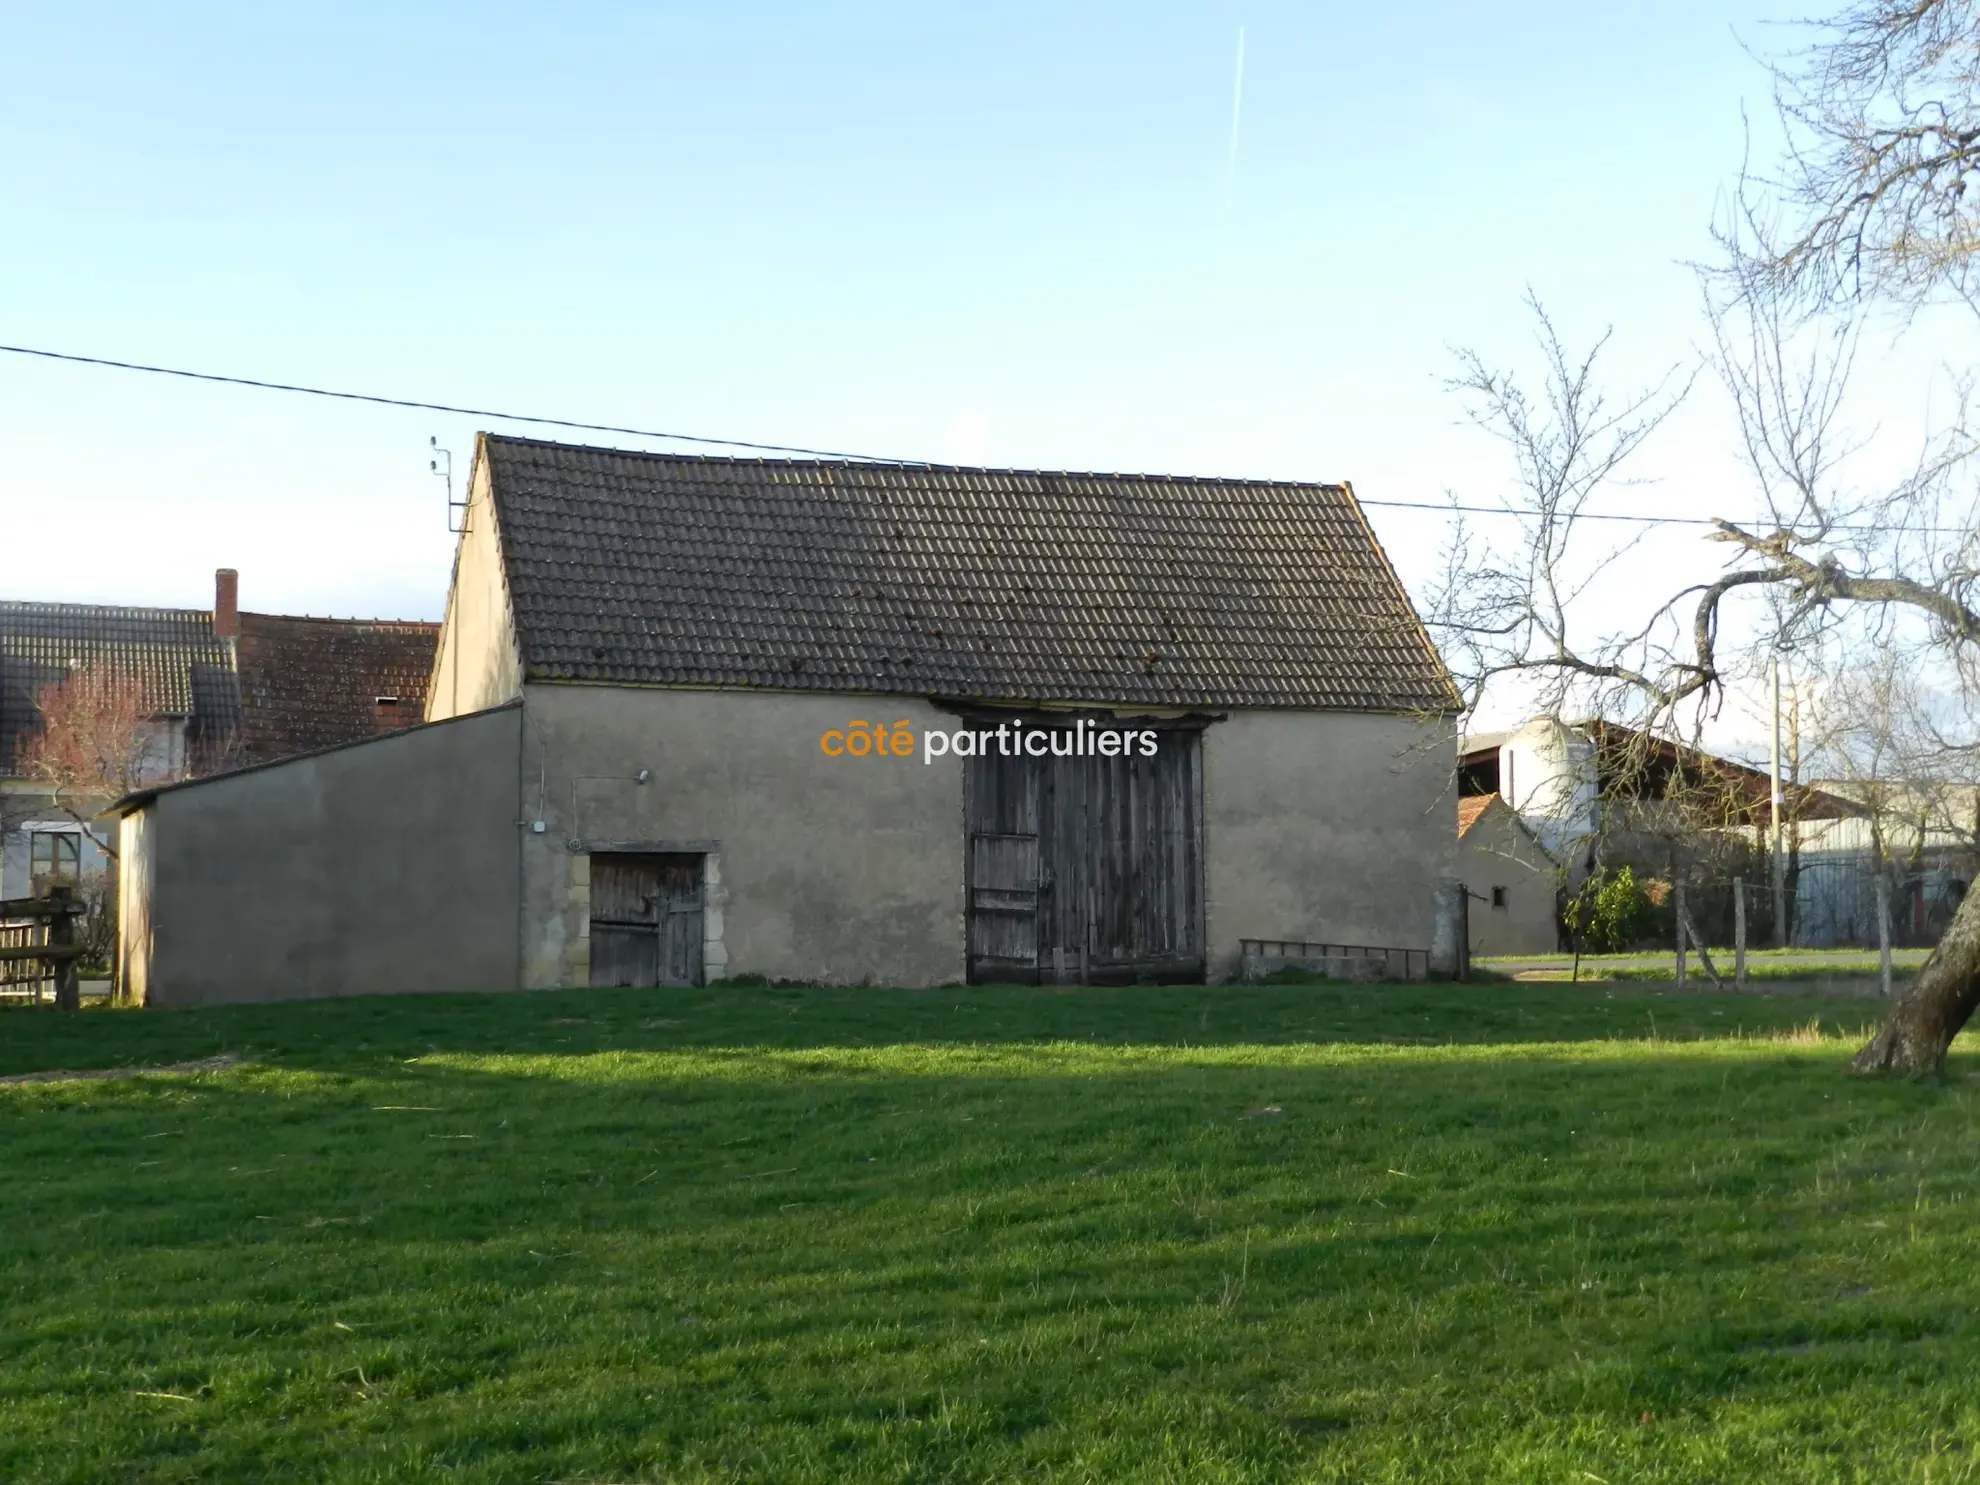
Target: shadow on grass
(369,1031)
(953,1256)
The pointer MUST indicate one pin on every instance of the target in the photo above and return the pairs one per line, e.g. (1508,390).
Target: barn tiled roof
(974,584)
(171,654)
(313,683)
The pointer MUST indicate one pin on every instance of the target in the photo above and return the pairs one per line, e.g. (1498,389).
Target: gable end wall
(476,664)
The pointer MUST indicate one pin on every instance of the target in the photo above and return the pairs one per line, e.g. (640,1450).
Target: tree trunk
(1688,927)
(1922,1025)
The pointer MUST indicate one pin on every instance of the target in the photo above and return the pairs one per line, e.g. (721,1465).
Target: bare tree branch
(1882,114)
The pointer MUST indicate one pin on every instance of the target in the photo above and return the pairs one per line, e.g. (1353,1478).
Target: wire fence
(1835,902)
(1838,903)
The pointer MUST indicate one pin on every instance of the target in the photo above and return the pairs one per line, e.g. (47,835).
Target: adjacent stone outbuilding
(1511,882)
(909,725)
(390,864)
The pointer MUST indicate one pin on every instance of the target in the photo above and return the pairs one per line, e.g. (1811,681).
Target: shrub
(1609,912)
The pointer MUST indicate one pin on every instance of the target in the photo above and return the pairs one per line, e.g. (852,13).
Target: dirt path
(64,1075)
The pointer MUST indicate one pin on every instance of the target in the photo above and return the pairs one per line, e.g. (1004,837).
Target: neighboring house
(1596,788)
(1510,881)
(179,671)
(314,683)
(216,687)
(651,750)
(1580,786)
(1547,771)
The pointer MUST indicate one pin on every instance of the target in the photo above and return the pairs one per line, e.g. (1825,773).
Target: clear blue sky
(1006,233)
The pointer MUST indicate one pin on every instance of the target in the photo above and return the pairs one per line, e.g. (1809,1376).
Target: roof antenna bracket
(457,510)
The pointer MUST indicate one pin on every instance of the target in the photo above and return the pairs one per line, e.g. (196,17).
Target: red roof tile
(312,683)
(1471,809)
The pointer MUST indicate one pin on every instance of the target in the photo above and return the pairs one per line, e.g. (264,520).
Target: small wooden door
(645,920)
(1003,908)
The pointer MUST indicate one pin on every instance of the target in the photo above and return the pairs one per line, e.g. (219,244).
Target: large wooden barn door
(646,920)
(1086,870)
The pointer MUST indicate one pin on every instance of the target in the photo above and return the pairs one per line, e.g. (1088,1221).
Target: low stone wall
(1356,969)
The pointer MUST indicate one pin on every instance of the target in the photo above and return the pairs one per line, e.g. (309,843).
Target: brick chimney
(226,604)
(385,714)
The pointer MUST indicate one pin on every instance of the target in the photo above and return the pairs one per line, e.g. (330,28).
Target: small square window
(54,858)
(1498,897)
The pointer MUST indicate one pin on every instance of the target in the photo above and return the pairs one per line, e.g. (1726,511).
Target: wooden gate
(1086,869)
(38,948)
(645,920)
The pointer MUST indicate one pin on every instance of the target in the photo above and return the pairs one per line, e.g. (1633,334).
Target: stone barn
(1512,883)
(830,722)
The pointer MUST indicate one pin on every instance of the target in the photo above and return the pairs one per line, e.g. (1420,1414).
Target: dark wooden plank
(1003,899)
(646,920)
(679,879)
(1001,809)
(62,940)
(1146,861)
(627,957)
(625,890)
(1119,890)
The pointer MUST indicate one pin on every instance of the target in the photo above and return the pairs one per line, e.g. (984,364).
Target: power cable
(786,448)
(440,407)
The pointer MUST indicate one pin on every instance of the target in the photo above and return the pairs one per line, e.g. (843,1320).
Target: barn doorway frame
(647,925)
(1081,868)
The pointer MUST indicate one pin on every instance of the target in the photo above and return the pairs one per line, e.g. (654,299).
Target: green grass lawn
(1506,1233)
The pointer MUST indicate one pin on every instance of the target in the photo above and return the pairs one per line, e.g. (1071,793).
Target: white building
(1546,770)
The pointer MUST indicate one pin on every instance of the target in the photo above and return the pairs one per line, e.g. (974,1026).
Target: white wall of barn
(835,870)
(476,664)
(1328,827)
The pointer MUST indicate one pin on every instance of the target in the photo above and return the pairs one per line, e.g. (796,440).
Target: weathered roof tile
(312,683)
(170,654)
(975,584)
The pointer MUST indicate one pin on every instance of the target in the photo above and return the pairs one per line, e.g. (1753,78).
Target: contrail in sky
(1237,112)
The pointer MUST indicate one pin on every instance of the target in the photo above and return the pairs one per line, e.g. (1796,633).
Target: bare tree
(1826,566)
(1882,118)
(1882,115)
(1888,729)
(1508,609)
(96,743)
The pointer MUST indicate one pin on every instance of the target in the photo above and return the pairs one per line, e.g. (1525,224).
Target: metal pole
(1884,931)
(1739,933)
(1774,773)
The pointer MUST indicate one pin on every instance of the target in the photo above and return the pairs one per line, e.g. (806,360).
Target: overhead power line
(439,407)
(1500,510)
(378,400)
